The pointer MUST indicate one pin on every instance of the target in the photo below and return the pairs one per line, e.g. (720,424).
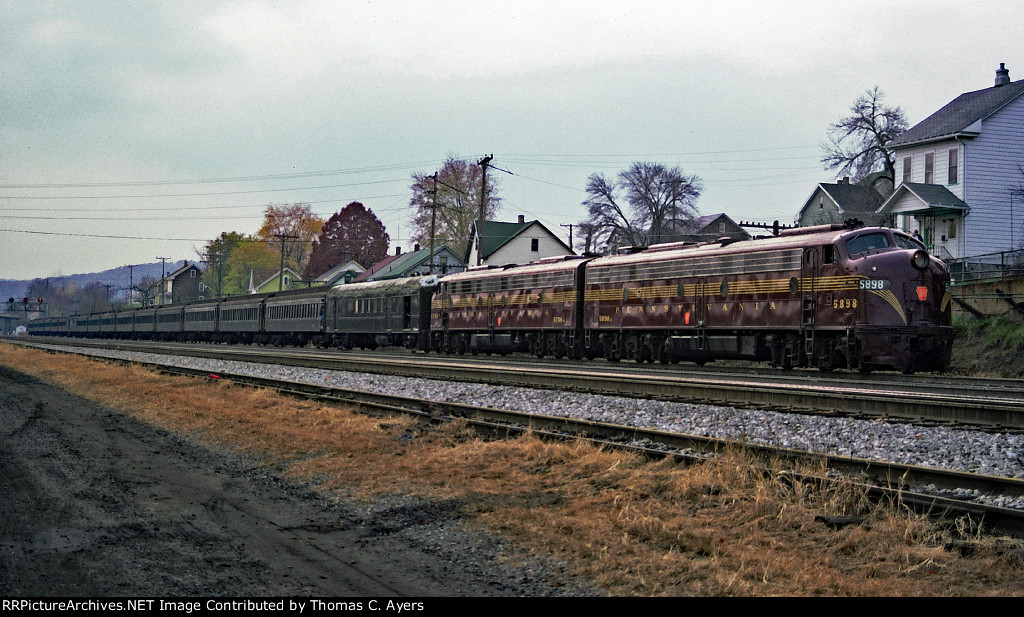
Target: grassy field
(631,527)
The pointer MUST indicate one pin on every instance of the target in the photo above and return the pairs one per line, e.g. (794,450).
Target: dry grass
(725,527)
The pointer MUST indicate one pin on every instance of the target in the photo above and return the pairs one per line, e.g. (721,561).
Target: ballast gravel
(997,454)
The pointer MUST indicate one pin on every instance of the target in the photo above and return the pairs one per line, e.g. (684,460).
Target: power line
(281,176)
(57,233)
(178,208)
(218,193)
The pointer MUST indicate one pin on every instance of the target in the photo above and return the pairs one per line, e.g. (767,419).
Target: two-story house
(958,171)
(182,285)
(522,242)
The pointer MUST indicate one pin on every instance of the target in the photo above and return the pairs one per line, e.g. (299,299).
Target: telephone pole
(131,283)
(484,162)
(280,275)
(433,220)
(570,226)
(163,275)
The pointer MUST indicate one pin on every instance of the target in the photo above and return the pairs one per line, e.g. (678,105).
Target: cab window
(907,242)
(867,242)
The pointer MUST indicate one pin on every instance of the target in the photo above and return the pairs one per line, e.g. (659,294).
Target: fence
(991,266)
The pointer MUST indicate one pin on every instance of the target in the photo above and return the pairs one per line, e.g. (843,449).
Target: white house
(512,243)
(957,172)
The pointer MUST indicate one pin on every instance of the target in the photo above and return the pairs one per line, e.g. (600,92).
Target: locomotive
(832,296)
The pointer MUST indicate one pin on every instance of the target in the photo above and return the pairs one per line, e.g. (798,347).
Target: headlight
(920,259)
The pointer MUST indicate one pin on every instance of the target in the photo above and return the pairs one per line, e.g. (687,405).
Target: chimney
(522,219)
(398,250)
(416,247)
(1002,75)
(845,180)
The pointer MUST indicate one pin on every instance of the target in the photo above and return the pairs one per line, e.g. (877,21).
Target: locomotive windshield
(907,242)
(867,242)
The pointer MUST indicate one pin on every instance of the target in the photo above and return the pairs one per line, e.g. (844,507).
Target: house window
(535,245)
(953,160)
(721,227)
(906,169)
(192,273)
(444,264)
(929,168)
(285,280)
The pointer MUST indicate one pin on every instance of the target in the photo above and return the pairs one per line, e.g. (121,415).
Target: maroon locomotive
(828,297)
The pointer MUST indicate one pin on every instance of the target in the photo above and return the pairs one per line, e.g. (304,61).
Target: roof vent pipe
(1002,75)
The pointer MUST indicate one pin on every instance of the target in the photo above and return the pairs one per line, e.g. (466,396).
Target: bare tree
(457,201)
(856,143)
(640,207)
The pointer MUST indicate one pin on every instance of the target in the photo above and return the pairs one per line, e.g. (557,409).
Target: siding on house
(986,130)
(992,169)
(941,152)
(519,250)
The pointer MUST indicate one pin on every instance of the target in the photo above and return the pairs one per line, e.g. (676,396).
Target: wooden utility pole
(433,220)
(570,226)
(280,275)
(131,283)
(484,162)
(163,275)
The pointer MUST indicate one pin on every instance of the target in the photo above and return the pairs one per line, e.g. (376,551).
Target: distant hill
(118,279)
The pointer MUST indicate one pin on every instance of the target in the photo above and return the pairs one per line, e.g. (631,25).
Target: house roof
(376,268)
(697,225)
(958,115)
(494,235)
(340,269)
(850,198)
(692,226)
(187,266)
(853,197)
(399,265)
(932,196)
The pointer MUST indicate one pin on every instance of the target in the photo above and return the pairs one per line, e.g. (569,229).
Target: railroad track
(989,404)
(921,488)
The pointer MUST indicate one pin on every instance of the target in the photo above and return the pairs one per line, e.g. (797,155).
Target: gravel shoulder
(99,504)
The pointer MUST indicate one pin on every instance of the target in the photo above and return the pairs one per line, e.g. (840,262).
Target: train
(826,297)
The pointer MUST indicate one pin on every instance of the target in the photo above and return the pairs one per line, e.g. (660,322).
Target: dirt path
(95,503)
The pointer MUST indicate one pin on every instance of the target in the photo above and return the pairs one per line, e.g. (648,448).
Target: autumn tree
(856,144)
(353,233)
(639,206)
(252,258)
(298,226)
(217,255)
(458,203)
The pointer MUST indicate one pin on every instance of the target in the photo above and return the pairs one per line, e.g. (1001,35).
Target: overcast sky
(159,125)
